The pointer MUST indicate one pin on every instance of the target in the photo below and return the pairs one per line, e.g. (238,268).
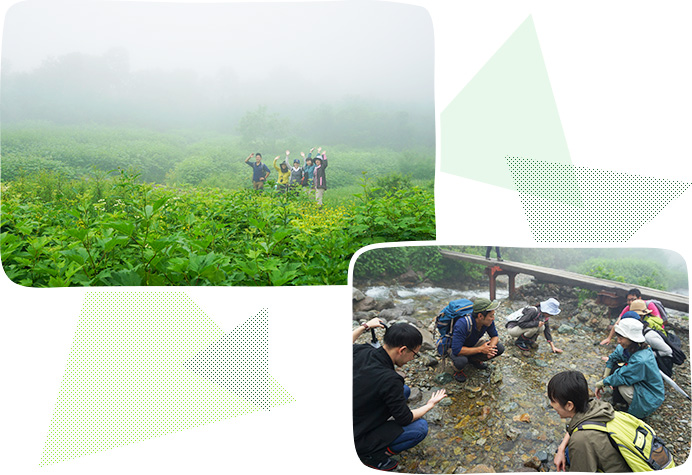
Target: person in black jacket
(379,393)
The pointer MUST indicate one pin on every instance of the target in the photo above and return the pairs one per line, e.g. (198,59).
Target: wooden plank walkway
(563,277)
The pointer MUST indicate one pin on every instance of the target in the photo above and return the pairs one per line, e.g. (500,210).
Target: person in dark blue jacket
(260,171)
(638,381)
(467,346)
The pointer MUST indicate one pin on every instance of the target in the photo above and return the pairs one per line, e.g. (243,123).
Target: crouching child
(595,429)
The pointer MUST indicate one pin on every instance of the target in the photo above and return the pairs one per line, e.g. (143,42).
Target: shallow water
(500,417)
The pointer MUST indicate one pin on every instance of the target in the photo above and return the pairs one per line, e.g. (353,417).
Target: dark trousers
(460,361)
(488,249)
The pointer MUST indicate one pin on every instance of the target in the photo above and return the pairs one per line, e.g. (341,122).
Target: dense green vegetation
(426,261)
(121,231)
(185,157)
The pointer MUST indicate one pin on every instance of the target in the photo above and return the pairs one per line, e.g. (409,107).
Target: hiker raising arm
(374,323)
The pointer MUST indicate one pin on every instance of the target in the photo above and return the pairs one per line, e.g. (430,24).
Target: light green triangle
(506,110)
(125,379)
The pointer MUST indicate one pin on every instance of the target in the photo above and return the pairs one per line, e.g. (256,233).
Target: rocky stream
(500,419)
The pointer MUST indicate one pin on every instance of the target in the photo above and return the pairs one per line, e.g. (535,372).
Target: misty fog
(319,66)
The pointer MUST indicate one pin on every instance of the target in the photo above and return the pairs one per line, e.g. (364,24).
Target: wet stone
(415,396)
(443,378)
(533,462)
(542,455)
(565,329)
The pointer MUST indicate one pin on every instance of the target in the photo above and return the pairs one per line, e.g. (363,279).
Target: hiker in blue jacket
(260,171)
(638,382)
(308,170)
(467,346)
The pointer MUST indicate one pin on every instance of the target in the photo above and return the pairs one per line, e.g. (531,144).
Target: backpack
(654,323)
(673,341)
(661,309)
(446,319)
(635,440)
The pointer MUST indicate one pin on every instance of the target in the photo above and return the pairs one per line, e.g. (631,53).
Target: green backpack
(636,440)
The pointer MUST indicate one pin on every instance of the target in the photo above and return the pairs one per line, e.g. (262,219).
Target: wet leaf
(522,418)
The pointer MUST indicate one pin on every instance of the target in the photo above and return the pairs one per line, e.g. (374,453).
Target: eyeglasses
(415,355)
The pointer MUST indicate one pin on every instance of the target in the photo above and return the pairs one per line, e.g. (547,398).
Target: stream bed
(500,419)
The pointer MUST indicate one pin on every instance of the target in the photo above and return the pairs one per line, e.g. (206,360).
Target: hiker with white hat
(632,371)
(528,323)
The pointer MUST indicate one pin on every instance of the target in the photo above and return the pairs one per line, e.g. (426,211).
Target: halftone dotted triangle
(613,205)
(239,362)
(125,379)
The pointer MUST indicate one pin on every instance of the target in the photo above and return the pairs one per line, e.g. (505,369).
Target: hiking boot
(479,364)
(460,376)
(500,259)
(521,343)
(380,462)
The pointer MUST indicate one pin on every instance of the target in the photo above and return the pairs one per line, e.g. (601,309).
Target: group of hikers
(293,177)
(384,425)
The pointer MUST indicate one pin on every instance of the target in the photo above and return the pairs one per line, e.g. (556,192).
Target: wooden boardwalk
(562,277)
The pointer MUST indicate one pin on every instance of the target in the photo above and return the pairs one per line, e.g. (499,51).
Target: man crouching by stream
(379,394)
(467,346)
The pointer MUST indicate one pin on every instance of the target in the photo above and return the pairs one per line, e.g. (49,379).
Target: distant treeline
(83,89)
(655,268)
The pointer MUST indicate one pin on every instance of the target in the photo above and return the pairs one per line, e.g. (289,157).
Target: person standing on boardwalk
(260,171)
(497,252)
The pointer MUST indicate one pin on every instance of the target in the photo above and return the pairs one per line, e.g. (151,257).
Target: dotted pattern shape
(125,379)
(609,207)
(239,362)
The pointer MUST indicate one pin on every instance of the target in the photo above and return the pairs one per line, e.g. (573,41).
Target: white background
(620,73)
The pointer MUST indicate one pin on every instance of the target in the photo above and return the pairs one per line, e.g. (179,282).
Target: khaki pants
(517,331)
(627,393)
(318,195)
(257,185)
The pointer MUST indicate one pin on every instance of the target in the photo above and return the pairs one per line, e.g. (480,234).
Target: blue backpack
(445,322)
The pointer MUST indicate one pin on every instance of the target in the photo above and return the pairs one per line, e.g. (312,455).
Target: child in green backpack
(586,450)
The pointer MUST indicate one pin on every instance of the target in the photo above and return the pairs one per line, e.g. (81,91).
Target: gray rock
(407,309)
(430,361)
(390,313)
(512,406)
(542,455)
(384,304)
(445,402)
(365,305)
(428,342)
(358,295)
(443,378)
(533,462)
(540,363)
(565,329)
(416,395)
(512,433)
(364,316)
(434,415)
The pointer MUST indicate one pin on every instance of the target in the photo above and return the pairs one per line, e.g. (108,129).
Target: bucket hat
(630,329)
(639,306)
(550,306)
(483,305)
